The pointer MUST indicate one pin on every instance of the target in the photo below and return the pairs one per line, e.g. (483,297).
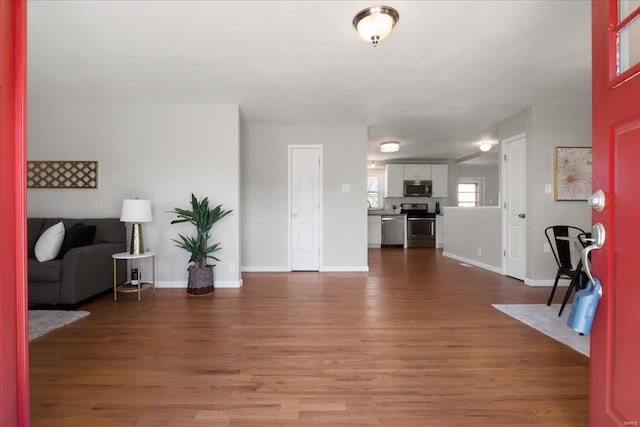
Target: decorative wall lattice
(62,174)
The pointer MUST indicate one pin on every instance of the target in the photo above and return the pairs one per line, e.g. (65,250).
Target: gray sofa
(83,271)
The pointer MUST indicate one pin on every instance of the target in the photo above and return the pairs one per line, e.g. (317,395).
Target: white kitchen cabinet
(417,172)
(439,231)
(440,180)
(393,176)
(374,231)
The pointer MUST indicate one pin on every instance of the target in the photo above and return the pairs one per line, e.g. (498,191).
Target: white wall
(547,127)
(553,126)
(265,202)
(468,231)
(158,152)
(490,179)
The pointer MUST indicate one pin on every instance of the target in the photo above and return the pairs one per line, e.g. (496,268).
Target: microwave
(417,188)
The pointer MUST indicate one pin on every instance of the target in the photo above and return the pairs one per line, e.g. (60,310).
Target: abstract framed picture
(572,173)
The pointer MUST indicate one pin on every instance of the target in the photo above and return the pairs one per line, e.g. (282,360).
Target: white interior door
(515,207)
(305,195)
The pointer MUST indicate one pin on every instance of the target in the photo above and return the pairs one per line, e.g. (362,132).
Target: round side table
(128,286)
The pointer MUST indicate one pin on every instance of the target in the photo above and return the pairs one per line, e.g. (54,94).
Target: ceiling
(447,74)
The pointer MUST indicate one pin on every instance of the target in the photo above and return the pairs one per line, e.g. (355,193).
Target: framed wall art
(572,173)
(62,174)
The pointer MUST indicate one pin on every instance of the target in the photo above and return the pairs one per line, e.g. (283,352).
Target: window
(375,187)
(628,35)
(469,192)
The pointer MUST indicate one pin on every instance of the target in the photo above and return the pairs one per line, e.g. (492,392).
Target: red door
(615,337)
(14,375)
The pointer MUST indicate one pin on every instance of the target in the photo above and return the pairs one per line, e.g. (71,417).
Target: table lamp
(136,211)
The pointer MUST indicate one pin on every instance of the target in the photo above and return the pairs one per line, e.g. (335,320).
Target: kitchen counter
(384,212)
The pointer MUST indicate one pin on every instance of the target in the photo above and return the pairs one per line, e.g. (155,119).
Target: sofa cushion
(49,242)
(76,236)
(34,229)
(108,230)
(48,271)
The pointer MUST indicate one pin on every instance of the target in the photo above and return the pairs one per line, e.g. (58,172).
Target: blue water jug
(584,306)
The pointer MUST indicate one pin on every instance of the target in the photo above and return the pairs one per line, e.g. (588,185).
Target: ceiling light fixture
(485,146)
(372,164)
(389,147)
(375,23)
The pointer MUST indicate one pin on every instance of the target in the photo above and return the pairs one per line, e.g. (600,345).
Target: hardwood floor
(414,342)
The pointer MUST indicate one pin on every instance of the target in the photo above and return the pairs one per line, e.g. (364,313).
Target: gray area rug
(545,319)
(44,321)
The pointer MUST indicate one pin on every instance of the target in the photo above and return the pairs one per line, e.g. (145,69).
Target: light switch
(346,188)
(548,188)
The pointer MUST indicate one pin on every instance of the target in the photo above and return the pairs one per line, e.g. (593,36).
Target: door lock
(597,200)
(598,236)
(585,302)
(522,215)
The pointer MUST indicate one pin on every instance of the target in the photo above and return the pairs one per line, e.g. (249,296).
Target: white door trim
(290,148)
(503,194)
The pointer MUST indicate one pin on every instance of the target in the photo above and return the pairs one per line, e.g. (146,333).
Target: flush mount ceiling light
(485,146)
(375,23)
(389,147)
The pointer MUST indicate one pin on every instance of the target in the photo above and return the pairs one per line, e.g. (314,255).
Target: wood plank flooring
(414,342)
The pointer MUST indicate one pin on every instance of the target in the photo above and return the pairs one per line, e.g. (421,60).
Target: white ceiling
(447,74)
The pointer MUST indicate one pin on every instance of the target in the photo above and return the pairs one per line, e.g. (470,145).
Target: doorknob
(597,200)
(522,215)
(294,215)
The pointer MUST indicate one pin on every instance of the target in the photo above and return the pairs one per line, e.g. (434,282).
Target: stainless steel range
(421,225)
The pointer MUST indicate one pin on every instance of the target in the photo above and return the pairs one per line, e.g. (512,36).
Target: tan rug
(545,319)
(44,321)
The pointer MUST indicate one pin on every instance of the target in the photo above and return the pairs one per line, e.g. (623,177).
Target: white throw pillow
(49,242)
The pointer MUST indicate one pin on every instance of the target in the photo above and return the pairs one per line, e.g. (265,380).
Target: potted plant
(202,217)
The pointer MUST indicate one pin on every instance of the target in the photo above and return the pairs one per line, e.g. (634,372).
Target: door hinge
(505,157)
(504,253)
(505,205)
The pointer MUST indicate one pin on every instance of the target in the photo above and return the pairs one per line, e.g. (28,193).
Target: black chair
(562,252)
(579,281)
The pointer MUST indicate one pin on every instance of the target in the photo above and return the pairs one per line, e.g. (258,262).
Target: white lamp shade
(136,211)
(375,23)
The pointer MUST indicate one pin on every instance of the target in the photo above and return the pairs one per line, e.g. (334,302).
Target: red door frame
(14,346)
(614,343)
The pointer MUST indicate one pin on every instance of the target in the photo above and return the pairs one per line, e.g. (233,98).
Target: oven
(421,226)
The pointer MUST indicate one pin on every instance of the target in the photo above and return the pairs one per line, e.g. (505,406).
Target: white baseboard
(473,262)
(527,281)
(182,284)
(364,268)
(270,269)
(170,284)
(267,269)
(228,283)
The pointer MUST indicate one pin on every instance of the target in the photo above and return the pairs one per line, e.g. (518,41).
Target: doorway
(514,207)
(305,207)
